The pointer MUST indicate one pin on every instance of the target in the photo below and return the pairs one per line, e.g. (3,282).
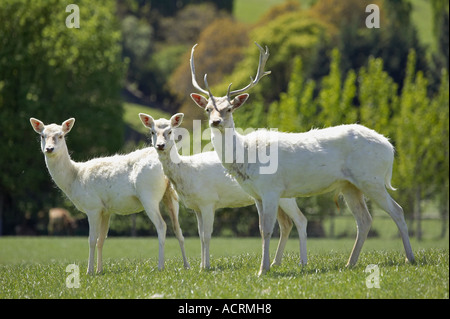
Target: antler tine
(194,81)
(228,93)
(263,56)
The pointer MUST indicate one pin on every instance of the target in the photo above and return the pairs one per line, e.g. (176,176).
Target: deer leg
(267,217)
(291,208)
(208,221)
(355,201)
(200,235)
(152,210)
(104,226)
(94,219)
(285,224)
(382,198)
(173,207)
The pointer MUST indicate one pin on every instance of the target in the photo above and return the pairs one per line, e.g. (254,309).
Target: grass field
(35,267)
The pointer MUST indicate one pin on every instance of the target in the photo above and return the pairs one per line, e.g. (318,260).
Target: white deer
(204,186)
(120,184)
(348,159)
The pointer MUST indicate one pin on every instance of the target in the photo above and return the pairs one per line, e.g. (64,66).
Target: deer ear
(37,125)
(67,125)
(176,120)
(200,100)
(239,100)
(147,120)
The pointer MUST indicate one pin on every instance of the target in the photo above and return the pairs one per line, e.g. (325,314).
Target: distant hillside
(131,117)
(249,11)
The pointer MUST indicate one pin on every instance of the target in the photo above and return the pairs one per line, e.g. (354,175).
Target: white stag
(204,186)
(120,184)
(349,159)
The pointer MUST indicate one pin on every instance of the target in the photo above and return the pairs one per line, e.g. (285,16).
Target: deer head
(161,130)
(220,109)
(52,135)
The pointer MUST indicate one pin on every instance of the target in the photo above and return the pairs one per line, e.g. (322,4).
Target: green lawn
(35,267)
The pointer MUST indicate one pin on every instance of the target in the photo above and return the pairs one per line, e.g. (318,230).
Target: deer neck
(230,148)
(169,160)
(172,169)
(62,169)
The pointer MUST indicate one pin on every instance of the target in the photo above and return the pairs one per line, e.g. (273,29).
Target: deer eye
(170,132)
(60,137)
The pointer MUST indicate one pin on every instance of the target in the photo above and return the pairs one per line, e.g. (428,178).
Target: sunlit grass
(36,268)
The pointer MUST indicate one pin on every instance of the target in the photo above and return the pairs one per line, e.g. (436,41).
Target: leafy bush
(52,72)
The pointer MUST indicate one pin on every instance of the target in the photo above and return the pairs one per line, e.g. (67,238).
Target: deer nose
(160,146)
(216,122)
(49,149)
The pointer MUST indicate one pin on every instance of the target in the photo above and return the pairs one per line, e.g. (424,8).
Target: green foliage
(168,8)
(296,110)
(52,72)
(186,25)
(422,139)
(137,44)
(335,99)
(285,114)
(439,116)
(412,138)
(377,97)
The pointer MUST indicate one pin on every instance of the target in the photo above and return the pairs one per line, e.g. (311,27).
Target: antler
(263,56)
(194,81)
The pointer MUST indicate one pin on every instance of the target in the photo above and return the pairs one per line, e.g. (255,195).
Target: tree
(413,140)
(52,72)
(285,114)
(296,111)
(440,58)
(377,97)
(335,99)
(137,45)
(396,39)
(437,162)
